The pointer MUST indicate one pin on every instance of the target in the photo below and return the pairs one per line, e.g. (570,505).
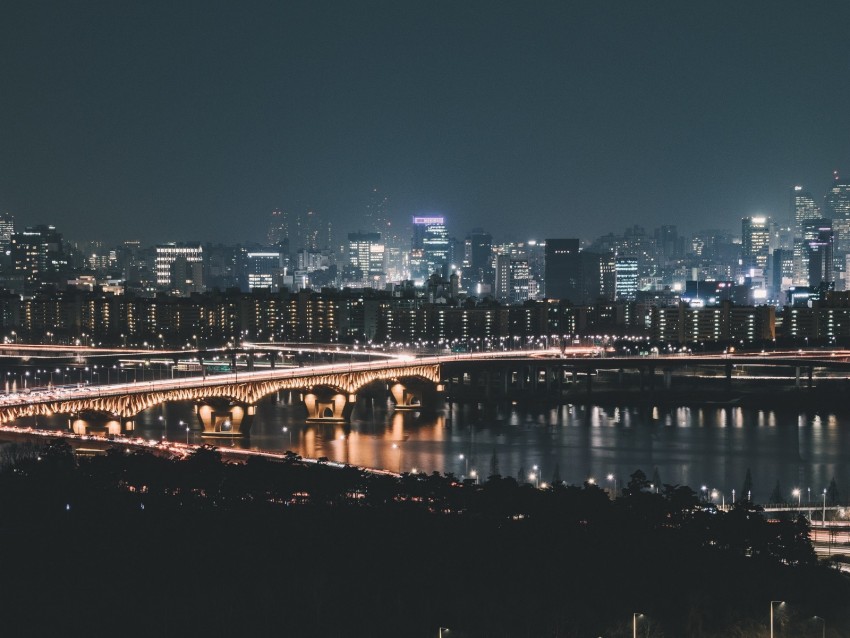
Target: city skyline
(161,123)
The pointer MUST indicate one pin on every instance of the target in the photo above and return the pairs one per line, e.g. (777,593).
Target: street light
(781,602)
(823,625)
(441,631)
(466,464)
(164,426)
(823,514)
(536,475)
(474,474)
(182,423)
(798,493)
(634,623)
(613,479)
(285,431)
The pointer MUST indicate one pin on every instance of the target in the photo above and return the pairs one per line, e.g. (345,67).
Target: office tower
(819,242)
(366,254)
(520,276)
(626,278)
(755,241)
(782,269)
(563,270)
(668,242)
(502,288)
(837,201)
(7,229)
(180,266)
(803,207)
(264,270)
(278,227)
(431,244)
(376,218)
(37,254)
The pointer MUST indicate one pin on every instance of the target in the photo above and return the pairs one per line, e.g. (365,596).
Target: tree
(637,483)
(832,492)
(747,490)
(494,466)
(556,475)
(656,479)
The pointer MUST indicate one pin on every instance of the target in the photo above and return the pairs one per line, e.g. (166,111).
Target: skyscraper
(626,273)
(803,207)
(563,270)
(755,241)
(837,202)
(264,270)
(180,266)
(366,254)
(7,229)
(819,241)
(432,239)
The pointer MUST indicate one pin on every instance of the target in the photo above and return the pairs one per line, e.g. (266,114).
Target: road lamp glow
(798,493)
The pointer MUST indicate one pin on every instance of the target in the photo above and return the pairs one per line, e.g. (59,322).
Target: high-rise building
(180,266)
(432,239)
(837,202)
(278,227)
(563,270)
(519,281)
(502,287)
(7,229)
(478,249)
(366,254)
(755,241)
(264,270)
(819,241)
(803,207)
(626,273)
(377,216)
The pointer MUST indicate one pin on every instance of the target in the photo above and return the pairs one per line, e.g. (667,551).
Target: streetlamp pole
(634,623)
(771,615)
(823,626)
(823,514)
(285,431)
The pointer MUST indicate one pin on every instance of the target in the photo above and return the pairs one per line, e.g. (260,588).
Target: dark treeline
(135,544)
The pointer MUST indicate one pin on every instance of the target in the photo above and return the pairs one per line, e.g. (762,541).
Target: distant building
(626,278)
(366,255)
(562,278)
(431,244)
(180,267)
(264,270)
(837,202)
(803,207)
(755,241)
(819,241)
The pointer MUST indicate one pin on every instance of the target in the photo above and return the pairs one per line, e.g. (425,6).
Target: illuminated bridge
(226,403)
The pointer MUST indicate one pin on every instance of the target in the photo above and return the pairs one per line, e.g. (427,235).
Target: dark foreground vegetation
(129,544)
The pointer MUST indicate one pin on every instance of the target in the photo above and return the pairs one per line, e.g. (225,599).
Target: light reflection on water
(712,446)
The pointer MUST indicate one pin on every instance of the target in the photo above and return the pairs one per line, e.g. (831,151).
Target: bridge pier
(223,418)
(86,423)
(329,408)
(407,398)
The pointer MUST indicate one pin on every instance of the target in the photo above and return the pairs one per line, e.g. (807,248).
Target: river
(697,446)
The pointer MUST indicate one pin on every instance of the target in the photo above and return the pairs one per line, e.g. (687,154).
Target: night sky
(193,120)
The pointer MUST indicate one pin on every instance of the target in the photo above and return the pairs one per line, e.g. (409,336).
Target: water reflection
(695,446)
